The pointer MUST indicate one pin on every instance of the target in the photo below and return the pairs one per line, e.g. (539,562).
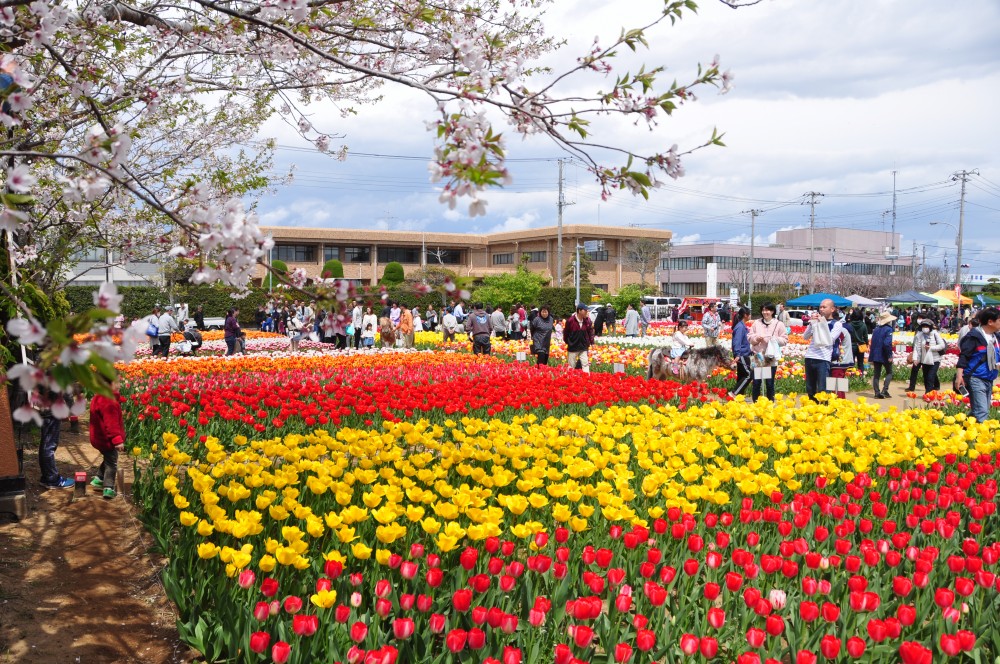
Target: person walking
(579,337)
(825,334)
(631,321)
(167,326)
(199,317)
(766,337)
(541,336)
(153,330)
(498,323)
(928,347)
(479,327)
(610,317)
(430,318)
(710,325)
(231,331)
(859,339)
(645,318)
(357,320)
(880,353)
(976,370)
(107,435)
(741,352)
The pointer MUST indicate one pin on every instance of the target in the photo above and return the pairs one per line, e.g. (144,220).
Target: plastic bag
(821,333)
(773,350)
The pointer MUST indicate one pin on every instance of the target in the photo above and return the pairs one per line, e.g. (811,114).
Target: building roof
(464,239)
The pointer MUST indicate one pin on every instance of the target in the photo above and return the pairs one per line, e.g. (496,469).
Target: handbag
(152,330)
(862,348)
(773,350)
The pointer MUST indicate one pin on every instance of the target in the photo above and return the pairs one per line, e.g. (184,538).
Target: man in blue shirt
(823,348)
(977,364)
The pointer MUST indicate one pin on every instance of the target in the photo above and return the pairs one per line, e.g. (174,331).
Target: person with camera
(767,335)
(928,348)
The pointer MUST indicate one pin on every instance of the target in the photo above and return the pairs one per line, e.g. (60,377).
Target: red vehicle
(695,306)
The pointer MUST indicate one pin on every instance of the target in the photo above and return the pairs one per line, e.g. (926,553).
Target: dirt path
(76,584)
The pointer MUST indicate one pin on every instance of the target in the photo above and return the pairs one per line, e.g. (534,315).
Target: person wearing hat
(579,337)
(880,353)
(928,346)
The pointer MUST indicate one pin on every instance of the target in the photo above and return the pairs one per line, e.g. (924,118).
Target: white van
(660,306)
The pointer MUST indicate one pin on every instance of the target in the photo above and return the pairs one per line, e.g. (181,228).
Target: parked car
(660,306)
(796,315)
(214,322)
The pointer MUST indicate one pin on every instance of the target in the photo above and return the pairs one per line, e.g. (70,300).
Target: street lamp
(958,262)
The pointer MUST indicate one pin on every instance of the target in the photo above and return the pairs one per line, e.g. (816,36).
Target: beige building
(364,253)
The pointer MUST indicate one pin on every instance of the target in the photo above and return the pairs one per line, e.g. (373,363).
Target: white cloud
(525,221)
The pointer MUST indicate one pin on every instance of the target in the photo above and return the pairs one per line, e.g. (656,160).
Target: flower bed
(607,529)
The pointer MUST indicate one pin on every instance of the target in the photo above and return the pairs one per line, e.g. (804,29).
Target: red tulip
(511,655)
(359,631)
(689,644)
(645,639)
(246,578)
(950,645)
(623,652)
(261,611)
(709,646)
(269,587)
(356,655)
(409,569)
(716,617)
(748,658)
(461,600)
(711,591)
(829,646)
(280,652)
(582,635)
(479,615)
(342,613)
(508,625)
(902,586)
(477,638)
(563,654)
(806,657)
(755,637)
(402,628)
(469,557)
(856,647)
(911,652)
(944,597)
(966,640)
(383,607)
(406,601)
(304,625)
(259,641)
(831,612)
(455,640)
(907,614)
(775,625)
(333,568)
(293,604)
(434,577)
(604,557)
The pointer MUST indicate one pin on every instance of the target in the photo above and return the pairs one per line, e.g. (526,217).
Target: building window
(503,259)
(357,255)
(601,255)
(603,287)
(94,255)
(409,255)
(685,263)
(445,256)
(536,256)
(294,253)
(331,253)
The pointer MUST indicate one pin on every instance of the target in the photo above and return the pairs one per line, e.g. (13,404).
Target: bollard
(80,489)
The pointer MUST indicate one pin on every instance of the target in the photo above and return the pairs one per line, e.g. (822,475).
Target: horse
(701,362)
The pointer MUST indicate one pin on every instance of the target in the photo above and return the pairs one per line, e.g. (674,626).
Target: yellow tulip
(360,551)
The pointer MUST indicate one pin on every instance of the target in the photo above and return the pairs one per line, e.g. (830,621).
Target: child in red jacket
(107,434)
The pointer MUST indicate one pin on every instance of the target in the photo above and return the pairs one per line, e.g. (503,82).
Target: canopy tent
(911,297)
(941,300)
(815,299)
(949,295)
(862,301)
(985,300)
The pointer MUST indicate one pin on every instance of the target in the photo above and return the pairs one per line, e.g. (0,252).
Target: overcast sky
(830,96)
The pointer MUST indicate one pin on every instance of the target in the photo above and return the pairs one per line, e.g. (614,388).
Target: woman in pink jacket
(762,332)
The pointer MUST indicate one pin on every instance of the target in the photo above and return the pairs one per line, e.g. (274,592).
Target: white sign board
(712,280)
(761,373)
(837,384)
(619,367)
(522,357)
(734,297)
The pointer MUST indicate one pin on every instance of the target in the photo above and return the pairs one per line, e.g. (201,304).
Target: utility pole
(812,239)
(892,269)
(560,205)
(913,264)
(963,176)
(753,236)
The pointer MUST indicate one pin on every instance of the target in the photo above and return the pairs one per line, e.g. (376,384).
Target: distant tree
(992,287)
(630,294)
(641,256)
(393,274)
(505,290)
(587,269)
(333,269)
(931,278)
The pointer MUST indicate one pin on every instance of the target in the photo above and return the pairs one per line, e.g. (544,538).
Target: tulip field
(439,507)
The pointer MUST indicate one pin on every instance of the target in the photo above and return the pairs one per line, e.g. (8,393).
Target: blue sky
(830,96)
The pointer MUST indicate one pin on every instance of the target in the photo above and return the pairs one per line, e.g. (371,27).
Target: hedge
(562,301)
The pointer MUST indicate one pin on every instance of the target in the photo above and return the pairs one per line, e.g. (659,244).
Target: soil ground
(76,582)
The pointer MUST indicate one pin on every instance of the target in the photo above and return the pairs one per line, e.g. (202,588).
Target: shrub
(562,301)
(333,269)
(393,274)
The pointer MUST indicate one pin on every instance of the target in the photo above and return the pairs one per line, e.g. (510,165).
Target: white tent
(862,301)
